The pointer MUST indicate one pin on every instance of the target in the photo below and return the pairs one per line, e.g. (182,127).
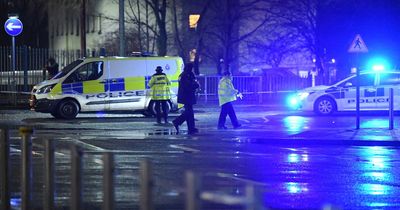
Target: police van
(104,84)
(374,94)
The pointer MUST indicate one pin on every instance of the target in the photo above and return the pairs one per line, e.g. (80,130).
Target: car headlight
(45,89)
(303,95)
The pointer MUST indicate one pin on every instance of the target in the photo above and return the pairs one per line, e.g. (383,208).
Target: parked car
(374,94)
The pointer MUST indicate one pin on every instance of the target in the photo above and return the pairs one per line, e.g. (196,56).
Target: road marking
(235,177)
(184,148)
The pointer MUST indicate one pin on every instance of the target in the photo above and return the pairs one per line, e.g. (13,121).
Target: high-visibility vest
(226,91)
(159,84)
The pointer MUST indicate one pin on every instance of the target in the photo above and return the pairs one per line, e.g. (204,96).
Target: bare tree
(159,8)
(225,31)
(272,46)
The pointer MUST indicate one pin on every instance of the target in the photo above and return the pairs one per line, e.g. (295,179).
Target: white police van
(341,96)
(104,84)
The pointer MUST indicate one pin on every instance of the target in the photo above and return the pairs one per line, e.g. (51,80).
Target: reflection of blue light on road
(293,158)
(378,176)
(377,204)
(377,157)
(375,189)
(375,124)
(15,201)
(304,157)
(100,114)
(293,187)
(294,123)
(378,162)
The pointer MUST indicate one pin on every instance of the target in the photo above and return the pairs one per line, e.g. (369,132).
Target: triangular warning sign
(358,45)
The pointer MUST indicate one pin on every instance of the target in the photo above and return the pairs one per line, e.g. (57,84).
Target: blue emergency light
(378,64)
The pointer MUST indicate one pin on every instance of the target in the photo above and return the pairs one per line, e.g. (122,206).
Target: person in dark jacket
(187,96)
(51,67)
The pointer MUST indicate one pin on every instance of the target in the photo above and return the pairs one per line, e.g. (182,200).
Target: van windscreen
(67,69)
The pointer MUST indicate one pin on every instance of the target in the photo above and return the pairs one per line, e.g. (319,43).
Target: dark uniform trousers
(164,114)
(227,109)
(188,116)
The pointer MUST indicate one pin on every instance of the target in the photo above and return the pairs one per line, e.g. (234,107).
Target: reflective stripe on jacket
(159,84)
(226,91)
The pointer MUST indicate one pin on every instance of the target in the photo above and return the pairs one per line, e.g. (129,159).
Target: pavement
(370,132)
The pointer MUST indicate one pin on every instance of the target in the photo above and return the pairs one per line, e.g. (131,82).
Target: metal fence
(256,89)
(16,85)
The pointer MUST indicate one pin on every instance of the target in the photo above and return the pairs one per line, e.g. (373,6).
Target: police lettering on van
(341,96)
(104,84)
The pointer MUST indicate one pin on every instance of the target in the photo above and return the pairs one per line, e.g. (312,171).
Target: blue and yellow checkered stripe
(117,84)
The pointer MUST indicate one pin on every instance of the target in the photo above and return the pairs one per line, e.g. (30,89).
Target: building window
(72,25)
(93,23)
(99,24)
(87,23)
(52,30)
(193,19)
(66,26)
(77,26)
(57,28)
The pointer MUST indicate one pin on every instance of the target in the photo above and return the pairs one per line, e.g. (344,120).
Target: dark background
(338,21)
(377,21)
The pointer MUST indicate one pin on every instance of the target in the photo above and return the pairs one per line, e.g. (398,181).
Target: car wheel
(325,106)
(68,109)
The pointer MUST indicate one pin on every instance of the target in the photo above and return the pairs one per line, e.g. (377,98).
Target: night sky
(378,23)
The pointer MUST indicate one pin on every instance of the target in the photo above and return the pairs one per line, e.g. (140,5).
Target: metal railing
(256,89)
(146,181)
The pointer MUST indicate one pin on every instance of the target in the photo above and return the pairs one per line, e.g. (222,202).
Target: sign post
(13,27)
(358,46)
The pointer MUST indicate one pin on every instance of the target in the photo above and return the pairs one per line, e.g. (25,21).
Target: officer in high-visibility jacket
(226,94)
(160,93)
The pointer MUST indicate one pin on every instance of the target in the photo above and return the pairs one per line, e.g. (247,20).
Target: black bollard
(4,170)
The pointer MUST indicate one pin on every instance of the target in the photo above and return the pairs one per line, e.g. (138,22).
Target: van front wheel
(67,109)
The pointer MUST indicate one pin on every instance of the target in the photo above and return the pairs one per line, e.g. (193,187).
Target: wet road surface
(289,176)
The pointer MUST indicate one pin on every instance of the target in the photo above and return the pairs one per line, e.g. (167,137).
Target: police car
(104,84)
(374,94)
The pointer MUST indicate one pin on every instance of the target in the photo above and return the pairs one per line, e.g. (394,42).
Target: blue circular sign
(13,26)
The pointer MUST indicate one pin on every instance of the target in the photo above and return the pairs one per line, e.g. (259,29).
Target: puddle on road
(162,132)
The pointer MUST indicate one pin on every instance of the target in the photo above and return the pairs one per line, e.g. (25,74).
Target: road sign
(358,45)
(13,26)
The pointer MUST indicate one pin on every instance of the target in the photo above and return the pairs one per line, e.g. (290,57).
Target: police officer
(160,88)
(187,96)
(226,94)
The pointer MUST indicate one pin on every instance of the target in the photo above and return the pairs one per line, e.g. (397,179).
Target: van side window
(389,79)
(89,71)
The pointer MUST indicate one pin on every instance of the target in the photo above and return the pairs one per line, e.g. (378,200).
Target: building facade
(249,45)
